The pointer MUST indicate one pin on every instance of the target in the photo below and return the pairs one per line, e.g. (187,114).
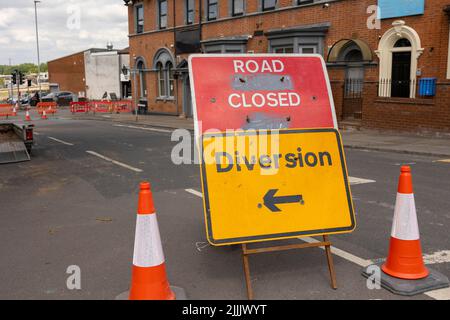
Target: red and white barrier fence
(123,106)
(6,110)
(48,107)
(101,106)
(79,107)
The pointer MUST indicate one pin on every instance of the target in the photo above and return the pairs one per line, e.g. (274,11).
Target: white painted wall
(103,73)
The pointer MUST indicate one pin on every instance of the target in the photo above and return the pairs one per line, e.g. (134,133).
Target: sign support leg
(247,272)
(330,262)
(326,243)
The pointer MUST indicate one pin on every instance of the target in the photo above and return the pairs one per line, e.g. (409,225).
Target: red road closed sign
(260,91)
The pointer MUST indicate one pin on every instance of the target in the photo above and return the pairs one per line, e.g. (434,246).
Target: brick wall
(348,19)
(419,115)
(68,72)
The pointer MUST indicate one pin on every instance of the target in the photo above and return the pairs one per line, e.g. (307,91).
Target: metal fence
(397,88)
(353,88)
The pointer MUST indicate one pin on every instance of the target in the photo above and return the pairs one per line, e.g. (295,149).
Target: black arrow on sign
(270,201)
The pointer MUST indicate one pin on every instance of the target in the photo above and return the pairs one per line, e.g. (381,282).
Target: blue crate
(427,87)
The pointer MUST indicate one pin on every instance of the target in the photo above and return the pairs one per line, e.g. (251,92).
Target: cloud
(65,27)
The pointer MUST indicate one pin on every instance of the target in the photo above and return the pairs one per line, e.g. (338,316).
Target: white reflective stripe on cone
(404,226)
(147,243)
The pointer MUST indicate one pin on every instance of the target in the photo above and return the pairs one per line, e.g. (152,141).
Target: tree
(26,68)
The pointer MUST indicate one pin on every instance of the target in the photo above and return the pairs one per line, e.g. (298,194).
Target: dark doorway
(187,100)
(353,84)
(401,74)
(126,89)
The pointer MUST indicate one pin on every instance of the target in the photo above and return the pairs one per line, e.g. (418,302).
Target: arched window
(171,80)
(161,80)
(140,66)
(402,43)
(163,65)
(353,55)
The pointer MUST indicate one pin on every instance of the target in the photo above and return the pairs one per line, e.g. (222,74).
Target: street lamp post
(37,46)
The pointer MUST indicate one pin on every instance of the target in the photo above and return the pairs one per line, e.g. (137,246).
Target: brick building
(92,72)
(67,73)
(386,73)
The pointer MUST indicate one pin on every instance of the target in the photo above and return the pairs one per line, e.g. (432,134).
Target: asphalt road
(70,207)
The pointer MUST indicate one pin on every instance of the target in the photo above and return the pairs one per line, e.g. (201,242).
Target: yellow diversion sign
(263,185)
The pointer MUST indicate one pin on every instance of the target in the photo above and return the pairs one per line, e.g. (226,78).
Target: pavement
(68,206)
(409,143)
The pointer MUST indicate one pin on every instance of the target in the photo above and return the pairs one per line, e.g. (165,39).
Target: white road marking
(61,141)
(437,257)
(114,161)
(341,253)
(442,256)
(36,133)
(194,192)
(143,128)
(441,294)
(355,181)
(444,161)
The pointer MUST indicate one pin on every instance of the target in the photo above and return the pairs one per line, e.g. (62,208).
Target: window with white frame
(142,89)
(190,11)
(170,80)
(283,49)
(226,45)
(139,18)
(161,80)
(163,66)
(237,7)
(267,5)
(306,39)
(307,48)
(300,2)
(162,14)
(212,9)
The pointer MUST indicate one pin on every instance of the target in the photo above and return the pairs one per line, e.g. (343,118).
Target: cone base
(150,283)
(405,260)
(180,294)
(405,276)
(435,280)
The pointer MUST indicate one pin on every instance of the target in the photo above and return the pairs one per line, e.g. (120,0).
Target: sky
(65,27)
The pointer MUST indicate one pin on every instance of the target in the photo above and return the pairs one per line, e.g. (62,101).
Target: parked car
(25,99)
(62,98)
(12,100)
(34,99)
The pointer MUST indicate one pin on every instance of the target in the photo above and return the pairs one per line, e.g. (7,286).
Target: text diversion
(225,162)
(261,99)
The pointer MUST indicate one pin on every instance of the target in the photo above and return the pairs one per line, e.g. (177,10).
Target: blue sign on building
(400,8)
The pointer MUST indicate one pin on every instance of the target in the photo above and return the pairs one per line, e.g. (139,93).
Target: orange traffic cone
(14,111)
(27,116)
(405,254)
(44,115)
(149,279)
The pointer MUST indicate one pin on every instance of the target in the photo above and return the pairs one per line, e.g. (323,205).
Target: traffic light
(21,78)
(14,77)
